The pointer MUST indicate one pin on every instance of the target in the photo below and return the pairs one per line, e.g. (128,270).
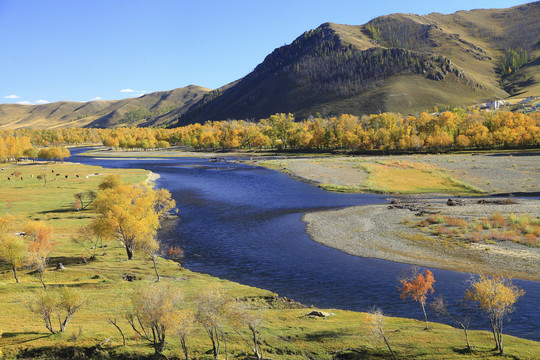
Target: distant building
(494,104)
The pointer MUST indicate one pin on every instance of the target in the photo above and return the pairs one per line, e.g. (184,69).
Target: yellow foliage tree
(496,297)
(13,248)
(40,246)
(130,214)
(152,312)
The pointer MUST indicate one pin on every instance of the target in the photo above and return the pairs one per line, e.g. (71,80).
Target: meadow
(287,332)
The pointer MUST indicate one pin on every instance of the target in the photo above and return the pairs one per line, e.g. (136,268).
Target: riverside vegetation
(99,312)
(380,133)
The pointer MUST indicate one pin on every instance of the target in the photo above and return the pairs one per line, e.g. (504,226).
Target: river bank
(390,233)
(379,232)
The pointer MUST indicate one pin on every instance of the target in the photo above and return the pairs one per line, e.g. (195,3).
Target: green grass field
(287,334)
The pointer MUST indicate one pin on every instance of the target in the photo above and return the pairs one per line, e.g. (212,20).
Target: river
(243,223)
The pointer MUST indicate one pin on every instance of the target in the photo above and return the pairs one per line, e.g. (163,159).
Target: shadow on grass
(363,353)
(321,336)
(66,260)
(81,353)
(494,352)
(9,335)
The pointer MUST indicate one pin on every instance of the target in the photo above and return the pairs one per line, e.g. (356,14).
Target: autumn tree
(153,249)
(85,198)
(110,181)
(59,304)
(417,287)
(40,246)
(212,312)
(440,308)
(496,297)
(89,239)
(239,316)
(13,248)
(151,313)
(183,322)
(376,324)
(31,153)
(130,214)
(44,178)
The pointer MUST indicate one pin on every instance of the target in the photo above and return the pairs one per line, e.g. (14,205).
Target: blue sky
(79,50)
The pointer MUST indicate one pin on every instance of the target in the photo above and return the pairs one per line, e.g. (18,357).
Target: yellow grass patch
(408,177)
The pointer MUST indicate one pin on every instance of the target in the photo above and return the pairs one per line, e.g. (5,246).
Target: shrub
(498,220)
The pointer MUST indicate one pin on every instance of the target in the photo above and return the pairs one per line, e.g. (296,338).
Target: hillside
(401,62)
(111,113)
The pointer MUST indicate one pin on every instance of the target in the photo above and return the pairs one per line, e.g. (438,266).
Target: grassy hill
(111,113)
(402,62)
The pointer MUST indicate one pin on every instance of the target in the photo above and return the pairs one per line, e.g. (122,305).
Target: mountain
(400,62)
(110,113)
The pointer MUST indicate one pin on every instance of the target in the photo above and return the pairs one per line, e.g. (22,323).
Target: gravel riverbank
(385,232)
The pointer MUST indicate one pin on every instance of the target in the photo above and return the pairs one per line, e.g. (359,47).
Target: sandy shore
(378,231)
(152,177)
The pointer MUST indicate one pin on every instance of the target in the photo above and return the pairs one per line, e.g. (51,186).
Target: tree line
(386,132)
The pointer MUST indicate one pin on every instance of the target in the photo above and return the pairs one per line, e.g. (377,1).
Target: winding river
(243,223)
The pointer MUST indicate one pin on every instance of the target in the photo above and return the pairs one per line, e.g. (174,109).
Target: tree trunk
(501,350)
(467,339)
(389,348)
(258,354)
(15,273)
(425,315)
(41,278)
(155,267)
(113,322)
(129,252)
(494,330)
(184,347)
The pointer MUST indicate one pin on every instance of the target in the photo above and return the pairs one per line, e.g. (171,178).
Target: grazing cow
(77,175)
(21,177)
(66,176)
(54,179)
(52,171)
(32,176)
(8,179)
(57,174)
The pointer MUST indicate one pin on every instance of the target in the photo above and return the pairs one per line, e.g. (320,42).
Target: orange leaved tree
(496,297)
(417,287)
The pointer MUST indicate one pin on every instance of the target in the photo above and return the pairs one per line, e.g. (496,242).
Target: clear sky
(79,50)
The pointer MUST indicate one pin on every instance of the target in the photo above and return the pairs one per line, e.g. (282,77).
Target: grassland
(454,174)
(373,175)
(287,334)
